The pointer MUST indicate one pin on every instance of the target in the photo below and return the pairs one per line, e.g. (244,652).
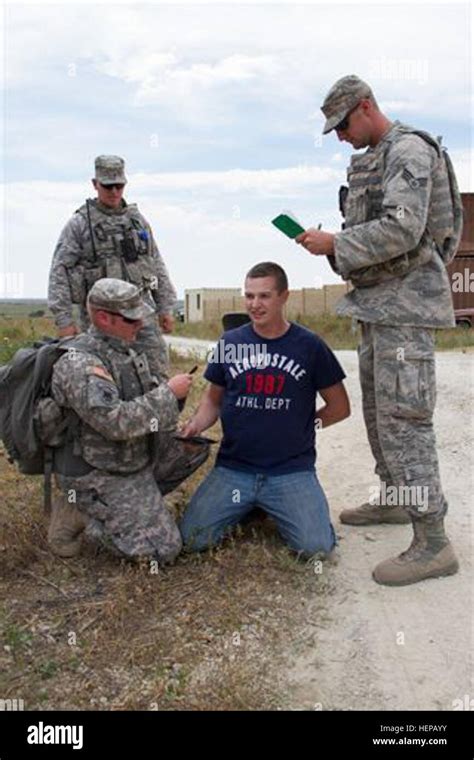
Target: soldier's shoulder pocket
(101,390)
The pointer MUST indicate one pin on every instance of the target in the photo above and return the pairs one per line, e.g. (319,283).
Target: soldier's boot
(430,555)
(65,529)
(374,514)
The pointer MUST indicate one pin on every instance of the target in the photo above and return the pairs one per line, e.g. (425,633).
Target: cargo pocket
(415,395)
(365,196)
(374,203)
(77,284)
(356,206)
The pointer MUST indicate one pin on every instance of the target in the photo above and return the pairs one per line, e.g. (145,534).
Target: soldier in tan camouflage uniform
(116,403)
(107,237)
(398,221)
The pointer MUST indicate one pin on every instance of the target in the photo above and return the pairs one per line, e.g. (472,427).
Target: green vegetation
(17,332)
(24,308)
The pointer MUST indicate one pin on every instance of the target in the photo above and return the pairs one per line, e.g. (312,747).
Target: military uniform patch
(100,372)
(414,182)
(101,392)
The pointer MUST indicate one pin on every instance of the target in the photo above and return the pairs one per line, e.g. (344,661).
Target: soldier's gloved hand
(166,322)
(180,385)
(68,332)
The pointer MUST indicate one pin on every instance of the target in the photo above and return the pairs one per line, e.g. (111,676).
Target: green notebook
(287,224)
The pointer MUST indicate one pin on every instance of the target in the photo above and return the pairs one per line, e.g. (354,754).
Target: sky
(216,111)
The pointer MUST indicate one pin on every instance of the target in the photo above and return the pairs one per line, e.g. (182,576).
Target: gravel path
(407,648)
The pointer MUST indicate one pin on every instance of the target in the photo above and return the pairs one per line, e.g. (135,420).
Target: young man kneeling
(263,380)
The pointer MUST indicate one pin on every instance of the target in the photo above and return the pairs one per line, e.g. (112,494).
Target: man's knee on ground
(307,546)
(195,539)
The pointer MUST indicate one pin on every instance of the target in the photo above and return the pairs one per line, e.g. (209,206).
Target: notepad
(287,223)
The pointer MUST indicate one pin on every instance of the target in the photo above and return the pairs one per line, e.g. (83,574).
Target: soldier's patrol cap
(110,170)
(119,297)
(343,96)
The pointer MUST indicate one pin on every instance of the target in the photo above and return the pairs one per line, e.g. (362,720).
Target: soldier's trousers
(397,377)
(127,511)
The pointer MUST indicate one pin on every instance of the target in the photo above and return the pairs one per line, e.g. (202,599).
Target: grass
(96,632)
(215,631)
(17,331)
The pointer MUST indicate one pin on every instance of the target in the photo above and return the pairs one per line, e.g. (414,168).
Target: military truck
(461,269)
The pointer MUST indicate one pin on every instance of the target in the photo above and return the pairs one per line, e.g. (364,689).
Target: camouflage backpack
(32,424)
(37,432)
(444,224)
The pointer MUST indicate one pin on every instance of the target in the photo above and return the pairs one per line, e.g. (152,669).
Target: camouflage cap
(119,297)
(342,98)
(110,170)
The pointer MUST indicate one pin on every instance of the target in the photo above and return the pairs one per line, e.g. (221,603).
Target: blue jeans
(296,502)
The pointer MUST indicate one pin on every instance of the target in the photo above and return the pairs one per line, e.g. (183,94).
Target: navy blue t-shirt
(269,405)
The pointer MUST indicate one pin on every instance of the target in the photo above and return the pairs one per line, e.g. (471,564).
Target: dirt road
(390,648)
(406,648)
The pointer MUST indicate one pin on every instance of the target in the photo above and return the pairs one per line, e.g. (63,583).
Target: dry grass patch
(97,632)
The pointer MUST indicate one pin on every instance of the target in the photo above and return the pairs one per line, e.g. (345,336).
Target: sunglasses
(345,121)
(114,186)
(127,320)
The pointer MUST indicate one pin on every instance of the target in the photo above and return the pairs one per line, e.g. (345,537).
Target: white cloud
(233,95)
(183,57)
(264,182)
(463,162)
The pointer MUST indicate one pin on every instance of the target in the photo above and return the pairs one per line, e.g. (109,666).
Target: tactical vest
(132,376)
(117,245)
(363,202)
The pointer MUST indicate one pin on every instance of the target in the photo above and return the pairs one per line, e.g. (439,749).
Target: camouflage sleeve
(165,295)
(406,187)
(83,383)
(67,252)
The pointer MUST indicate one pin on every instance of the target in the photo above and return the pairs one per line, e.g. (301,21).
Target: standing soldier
(107,237)
(402,225)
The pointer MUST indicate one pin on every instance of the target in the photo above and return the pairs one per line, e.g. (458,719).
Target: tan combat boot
(374,514)
(65,528)
(430,555)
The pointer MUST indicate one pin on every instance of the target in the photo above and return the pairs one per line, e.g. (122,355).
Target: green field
(24,308)
(22,322)
(336,331)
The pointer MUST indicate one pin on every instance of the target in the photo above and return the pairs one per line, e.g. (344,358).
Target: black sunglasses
(345,121)
(127,320)
(116,185)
